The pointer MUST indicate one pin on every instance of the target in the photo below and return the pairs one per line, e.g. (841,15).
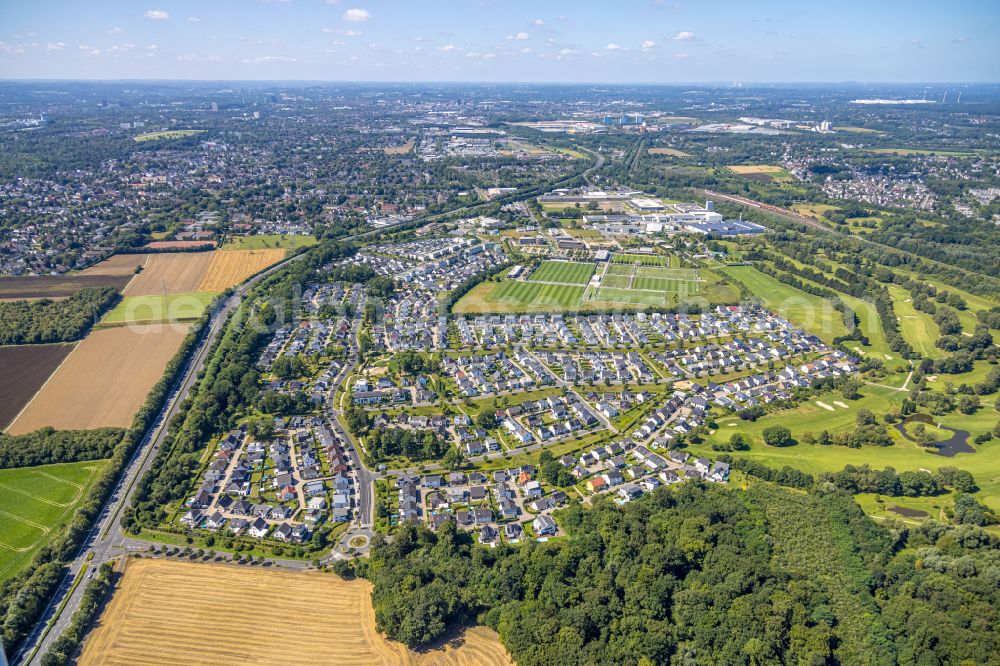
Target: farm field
(34,501)
(570,272)
(178,244)
(917,327)
(761,172)
(118,264)
(25,369)
(170,274)
(400,149)
(166,612)
(155,309)
(230,267)
(919,151)
(104,380)
(169,134)
(812,313)
(268,241)
(56,286)
(673,152)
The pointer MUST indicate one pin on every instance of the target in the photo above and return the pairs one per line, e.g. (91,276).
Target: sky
(613,41)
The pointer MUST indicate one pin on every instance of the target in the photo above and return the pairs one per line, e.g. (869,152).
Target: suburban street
(105,540)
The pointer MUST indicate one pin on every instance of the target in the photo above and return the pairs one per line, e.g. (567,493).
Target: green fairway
(903,455)
(918,328)
(567,272)
(266,241)
(813,313)
(169,308)
(36,501)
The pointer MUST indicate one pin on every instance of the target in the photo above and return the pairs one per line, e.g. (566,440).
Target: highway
(105,540)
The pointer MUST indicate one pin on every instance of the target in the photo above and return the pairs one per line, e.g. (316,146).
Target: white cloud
(115,31)
(89,50)
(194,19)
(156,14)
(447,48)
(489,56)
(356,15)
(567,52)
(614,47)
(959,40)
(538,22)
(55,46)
(521,36)
(10,48)
(684,36)
(648,45)
(263,60)
(526,49)
(152,47)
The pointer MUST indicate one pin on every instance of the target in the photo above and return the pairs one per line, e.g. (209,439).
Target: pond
(949,448)
(908,513)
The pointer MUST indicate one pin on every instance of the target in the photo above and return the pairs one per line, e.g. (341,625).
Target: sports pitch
(564,272)
(36,501)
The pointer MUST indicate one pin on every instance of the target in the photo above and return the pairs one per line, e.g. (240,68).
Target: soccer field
(536,294)
(646,260)
(569,272)
(36,501)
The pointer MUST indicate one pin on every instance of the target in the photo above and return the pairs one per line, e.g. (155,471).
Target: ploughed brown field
(169,274)
(24,369)
(230,267)
(169,612)
(56,286)
(104,380)
(119,264)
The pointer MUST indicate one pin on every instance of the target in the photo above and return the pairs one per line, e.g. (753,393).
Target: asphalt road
(105,540)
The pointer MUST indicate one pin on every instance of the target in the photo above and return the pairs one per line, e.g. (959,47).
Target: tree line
(43,321)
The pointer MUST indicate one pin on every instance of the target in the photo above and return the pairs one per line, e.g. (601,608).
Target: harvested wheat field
(168,612)
(170,273)
(119,264)
(230,267)
(104,380)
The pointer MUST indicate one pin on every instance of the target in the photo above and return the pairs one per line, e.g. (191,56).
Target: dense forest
(36,322)
(705,575)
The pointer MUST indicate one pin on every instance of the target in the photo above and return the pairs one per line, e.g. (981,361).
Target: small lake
(908,513)
(957,443)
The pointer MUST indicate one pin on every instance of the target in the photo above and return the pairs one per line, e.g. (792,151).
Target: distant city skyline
(637,41)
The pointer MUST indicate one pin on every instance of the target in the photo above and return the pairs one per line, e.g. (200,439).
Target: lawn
(813,313)
(670,273)
(662,284)
(36,501)
(155,309)
(268,241)
(610,297)
(918,328)
(566,272)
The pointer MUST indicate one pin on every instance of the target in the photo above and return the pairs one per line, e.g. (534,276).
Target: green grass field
(669,273)
(570,272)
(812,313)
(918,328)
(903,455)
(151,309)
(34,502)
(170,134)
(647,260)
(619,281)
(268,241)
(608,297)
(686,287)
(537,294)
